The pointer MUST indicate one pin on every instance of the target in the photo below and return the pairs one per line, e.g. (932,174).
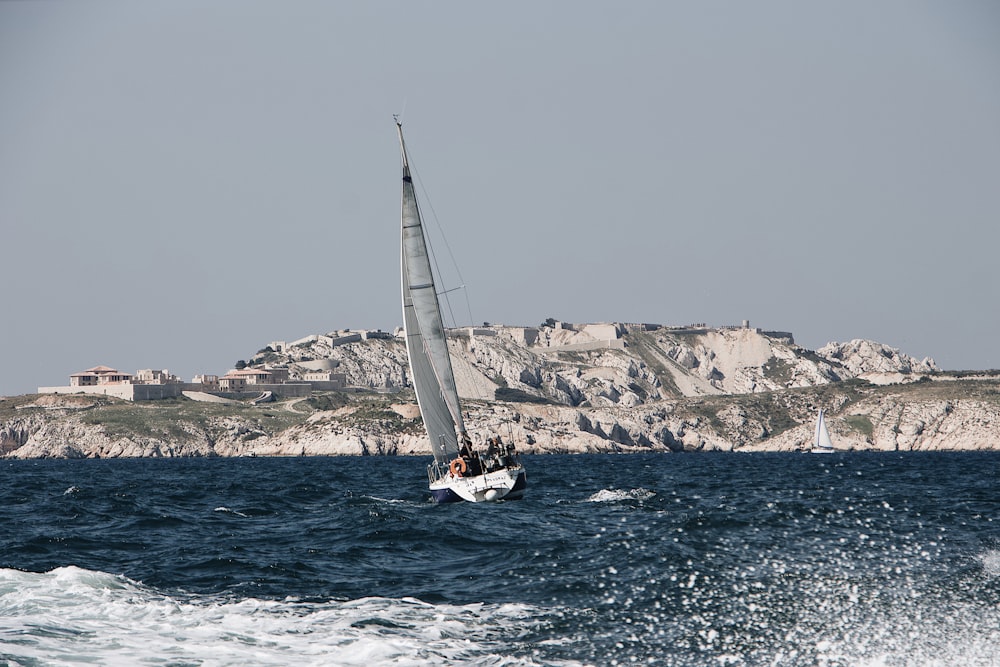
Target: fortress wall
(128,392)
(152,392)
(124,391)
(343,340)
(602,331)
(618,344)
(786,335)
(324,385)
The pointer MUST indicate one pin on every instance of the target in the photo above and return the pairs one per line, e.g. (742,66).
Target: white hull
(497,485)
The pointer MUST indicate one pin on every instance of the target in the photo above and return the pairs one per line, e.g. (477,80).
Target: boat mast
(421,306)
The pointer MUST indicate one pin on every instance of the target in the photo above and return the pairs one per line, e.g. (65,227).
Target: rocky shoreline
(560,391)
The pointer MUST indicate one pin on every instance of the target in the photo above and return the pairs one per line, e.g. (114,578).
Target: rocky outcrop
(861,357)
(632,366)
(944,414)
(554,390)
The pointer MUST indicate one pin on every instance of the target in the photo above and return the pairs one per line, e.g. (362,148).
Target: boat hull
(506,484)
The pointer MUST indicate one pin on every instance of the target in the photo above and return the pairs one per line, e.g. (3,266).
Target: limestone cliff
(604,365)
(553,389)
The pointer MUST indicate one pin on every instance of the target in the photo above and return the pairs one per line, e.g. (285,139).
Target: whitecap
(226,510)
(72,615)
(392,501)
(616,495)
(991,562)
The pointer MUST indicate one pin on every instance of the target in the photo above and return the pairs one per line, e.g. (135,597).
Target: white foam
(391,501)
(226,510)
(616,495)
(73,616)
(991,562)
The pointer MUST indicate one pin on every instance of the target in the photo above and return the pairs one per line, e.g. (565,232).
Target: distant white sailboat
(822,444)
(459,471)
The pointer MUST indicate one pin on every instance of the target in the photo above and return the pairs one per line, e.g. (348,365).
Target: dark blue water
(702,559)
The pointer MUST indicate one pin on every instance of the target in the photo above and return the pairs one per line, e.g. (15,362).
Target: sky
(183,182)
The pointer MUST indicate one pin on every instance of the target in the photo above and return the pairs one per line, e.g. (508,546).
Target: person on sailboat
(465,446)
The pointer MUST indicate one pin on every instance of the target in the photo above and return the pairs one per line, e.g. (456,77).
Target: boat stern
(505,484)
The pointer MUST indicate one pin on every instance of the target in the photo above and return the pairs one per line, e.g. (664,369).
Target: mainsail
(430,364)
(822,440)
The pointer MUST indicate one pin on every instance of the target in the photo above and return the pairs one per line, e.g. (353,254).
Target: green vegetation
(708,410)
(778,371)
(517,396)
(327,401)
(377,411)
(573,357)
(641,345)
(267,356)
(177,418)
(26,404)
(860,423)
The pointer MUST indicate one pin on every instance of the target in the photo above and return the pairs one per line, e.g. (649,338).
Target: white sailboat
(459,471)
(822,444)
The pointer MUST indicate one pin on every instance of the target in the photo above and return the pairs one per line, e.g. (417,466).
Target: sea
(632,559)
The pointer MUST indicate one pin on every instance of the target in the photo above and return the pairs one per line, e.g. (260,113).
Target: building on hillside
(153,376)
(319,376)
(371,335)
(150,384)
(232,383)
(237,380)
(279,374)
(325,379)
(209,382)
(99,375)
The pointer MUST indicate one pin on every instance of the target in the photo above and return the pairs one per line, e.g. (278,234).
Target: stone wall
(128,392)
(152,392)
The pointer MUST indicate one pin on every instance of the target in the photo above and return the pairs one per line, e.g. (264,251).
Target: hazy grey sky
(183,182)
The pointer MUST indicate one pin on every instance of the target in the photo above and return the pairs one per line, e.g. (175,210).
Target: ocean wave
(990,561)
(71,615)
(390,501)
(617,495)
(226,510)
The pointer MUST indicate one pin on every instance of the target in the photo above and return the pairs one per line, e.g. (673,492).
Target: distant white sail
(822,441)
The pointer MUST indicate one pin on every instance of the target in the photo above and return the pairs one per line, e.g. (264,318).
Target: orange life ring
(458,467)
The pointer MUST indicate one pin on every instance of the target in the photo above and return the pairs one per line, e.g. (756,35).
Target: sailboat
(459,471)
(822,443)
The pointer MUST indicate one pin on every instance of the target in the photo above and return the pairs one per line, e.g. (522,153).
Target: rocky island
(554,388)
